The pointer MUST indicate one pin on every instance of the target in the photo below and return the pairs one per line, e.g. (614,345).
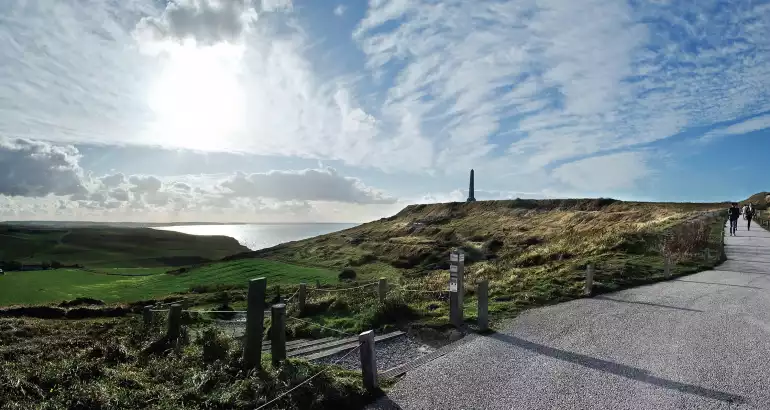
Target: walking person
(734,213)
(748,214)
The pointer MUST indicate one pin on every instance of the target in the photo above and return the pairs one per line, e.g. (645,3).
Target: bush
(347,274)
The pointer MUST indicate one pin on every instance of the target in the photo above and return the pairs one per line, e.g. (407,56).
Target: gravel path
(698,342)
(389,353)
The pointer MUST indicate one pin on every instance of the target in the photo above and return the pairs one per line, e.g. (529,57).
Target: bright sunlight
(198,99)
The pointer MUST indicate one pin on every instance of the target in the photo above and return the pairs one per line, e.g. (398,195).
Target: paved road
(699,342)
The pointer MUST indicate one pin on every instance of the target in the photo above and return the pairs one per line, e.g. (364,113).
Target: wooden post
(174,322)
(255,316)
(667,267)
(456,273)
(278,333)
(302,295)
(382,289)
(147,316)
(589,285)
(708,254)
(483,313)
(368,360)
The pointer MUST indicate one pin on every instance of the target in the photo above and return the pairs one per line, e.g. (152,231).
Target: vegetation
(112,364)
(760,200)
(126,285)
(110,246)
(532,252)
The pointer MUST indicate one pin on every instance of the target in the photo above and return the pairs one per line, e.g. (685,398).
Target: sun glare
(197,100)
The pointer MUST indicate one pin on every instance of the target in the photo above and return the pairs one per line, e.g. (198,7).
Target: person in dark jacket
(748,214)
(734,213)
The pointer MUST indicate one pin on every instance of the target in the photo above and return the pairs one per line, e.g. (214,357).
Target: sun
(198,101)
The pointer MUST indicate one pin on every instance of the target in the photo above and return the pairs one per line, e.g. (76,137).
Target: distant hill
(761,200)
(106,246)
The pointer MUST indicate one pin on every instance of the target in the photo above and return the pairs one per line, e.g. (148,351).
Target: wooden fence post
(368,360)
(255,317)
(174,322)
(302,295)
(278,333)
(589,285)
(147,316)
(667,266)
(483,313)
(382,289)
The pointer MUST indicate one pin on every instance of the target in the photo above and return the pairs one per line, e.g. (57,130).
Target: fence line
(310,378)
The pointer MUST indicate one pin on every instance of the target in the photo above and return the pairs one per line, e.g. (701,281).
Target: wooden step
(337,346)
(299,343)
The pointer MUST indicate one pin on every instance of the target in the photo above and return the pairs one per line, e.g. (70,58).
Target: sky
(347,111)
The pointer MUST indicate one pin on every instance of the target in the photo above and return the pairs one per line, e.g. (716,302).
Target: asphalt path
(698,342)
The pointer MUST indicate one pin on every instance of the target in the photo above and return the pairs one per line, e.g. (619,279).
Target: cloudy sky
(303,110)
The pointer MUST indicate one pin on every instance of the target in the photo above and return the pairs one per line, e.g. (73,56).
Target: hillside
(111,246)
(533,247)
(760,200)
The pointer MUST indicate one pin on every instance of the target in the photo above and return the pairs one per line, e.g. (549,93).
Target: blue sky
(350,110)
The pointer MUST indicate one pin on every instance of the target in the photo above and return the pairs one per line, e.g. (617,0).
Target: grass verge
(108,364)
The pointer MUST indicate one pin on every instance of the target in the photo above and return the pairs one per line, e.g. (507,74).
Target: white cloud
(604,173)
(46,181)
(750,125)
(308,185)
(513,86)
(339,10)
(35,169)
(562,80)
(208,22)
(277,5)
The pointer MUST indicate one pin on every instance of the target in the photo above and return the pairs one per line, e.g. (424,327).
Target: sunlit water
(260,236)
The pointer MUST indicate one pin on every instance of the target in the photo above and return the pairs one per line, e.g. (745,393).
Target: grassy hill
(761,200)
(111,246)
(532,252)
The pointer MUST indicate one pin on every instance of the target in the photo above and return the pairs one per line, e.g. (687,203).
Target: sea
(260,236)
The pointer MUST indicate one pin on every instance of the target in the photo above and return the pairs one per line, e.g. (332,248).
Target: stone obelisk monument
(471,198)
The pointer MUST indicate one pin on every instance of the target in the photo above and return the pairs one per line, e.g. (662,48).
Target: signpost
(456,271)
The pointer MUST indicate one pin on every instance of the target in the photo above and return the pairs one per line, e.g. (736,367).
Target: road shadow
(622,370)
(648,304)
(720,284)
(384,403)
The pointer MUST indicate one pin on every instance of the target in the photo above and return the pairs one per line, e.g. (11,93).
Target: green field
(40,287)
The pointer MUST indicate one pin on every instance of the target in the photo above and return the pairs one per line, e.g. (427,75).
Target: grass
(109,364)
(40,287)
(532,252)
(111,246)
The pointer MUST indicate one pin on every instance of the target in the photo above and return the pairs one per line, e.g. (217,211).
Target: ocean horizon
(257,236)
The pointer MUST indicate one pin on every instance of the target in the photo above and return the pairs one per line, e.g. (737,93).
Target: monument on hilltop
(471,198)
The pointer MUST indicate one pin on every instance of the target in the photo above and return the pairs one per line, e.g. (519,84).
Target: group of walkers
(735,213)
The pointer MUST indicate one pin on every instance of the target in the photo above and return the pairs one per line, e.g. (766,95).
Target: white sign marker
(453,284)
(453,268)
(453,257)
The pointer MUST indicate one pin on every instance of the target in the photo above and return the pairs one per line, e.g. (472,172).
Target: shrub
(347,274)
